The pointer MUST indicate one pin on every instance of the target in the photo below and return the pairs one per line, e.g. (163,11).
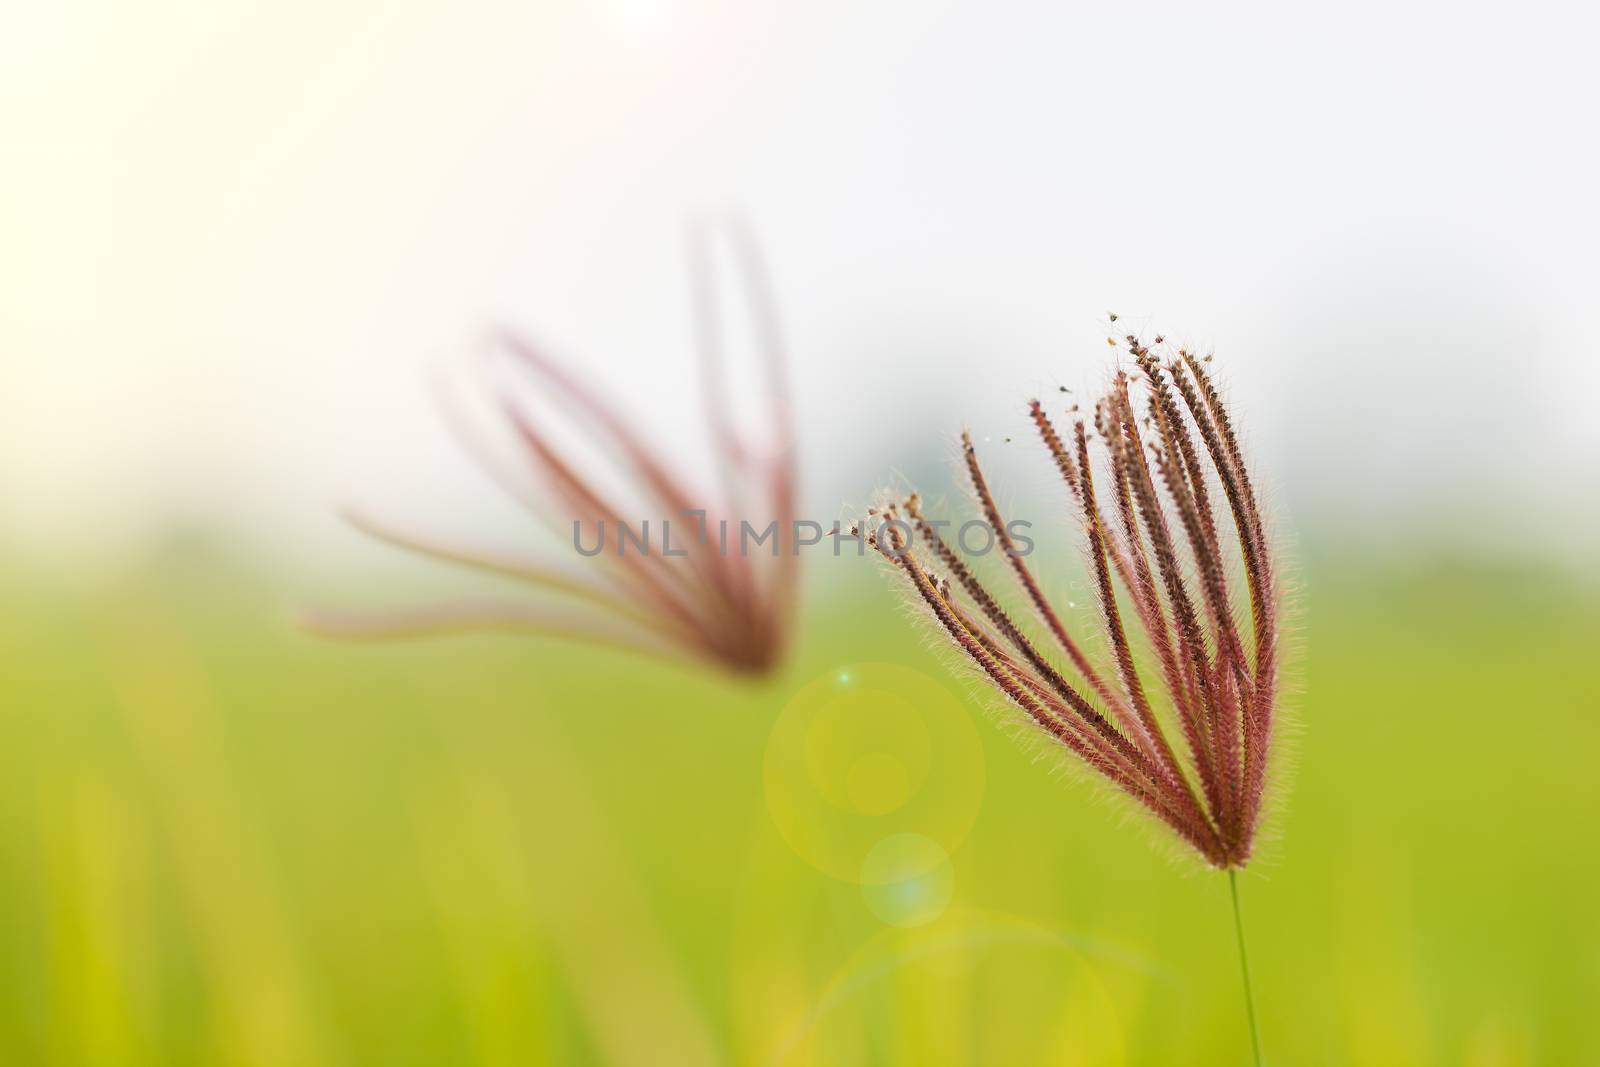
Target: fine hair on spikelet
(1177,707)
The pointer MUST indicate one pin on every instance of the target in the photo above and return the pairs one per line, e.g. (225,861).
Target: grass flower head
(678,593)
(1180,715)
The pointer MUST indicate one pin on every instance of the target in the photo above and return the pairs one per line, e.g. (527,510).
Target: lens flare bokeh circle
(906,880)
(867,758)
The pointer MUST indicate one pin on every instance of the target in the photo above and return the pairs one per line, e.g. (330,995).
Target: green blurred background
(237,243)
(227,842)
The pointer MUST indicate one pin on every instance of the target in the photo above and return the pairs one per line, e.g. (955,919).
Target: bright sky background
(234,239)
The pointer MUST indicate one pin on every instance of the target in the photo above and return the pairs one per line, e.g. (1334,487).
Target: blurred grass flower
(692,596)
(1166,574)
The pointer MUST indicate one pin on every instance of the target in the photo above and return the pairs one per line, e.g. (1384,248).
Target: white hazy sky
(234,238)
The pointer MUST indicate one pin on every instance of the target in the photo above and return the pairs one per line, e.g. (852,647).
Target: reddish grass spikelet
(704,601)
(1179,715)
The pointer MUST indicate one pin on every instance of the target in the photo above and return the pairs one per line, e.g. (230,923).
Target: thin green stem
(1244,967)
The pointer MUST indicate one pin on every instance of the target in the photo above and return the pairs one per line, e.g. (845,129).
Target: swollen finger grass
(1181,717)
(699,603)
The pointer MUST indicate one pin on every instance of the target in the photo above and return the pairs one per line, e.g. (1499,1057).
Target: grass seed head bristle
(1179,552)
(700,604)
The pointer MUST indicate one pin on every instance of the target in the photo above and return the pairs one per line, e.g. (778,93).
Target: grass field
(225,842)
